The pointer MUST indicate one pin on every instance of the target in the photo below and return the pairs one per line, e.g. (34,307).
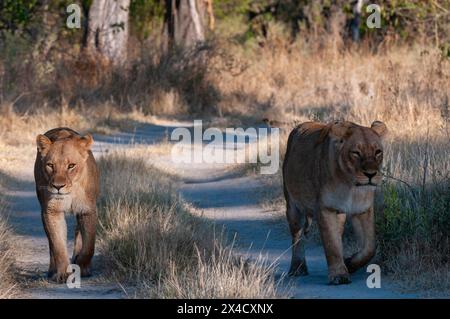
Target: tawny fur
(331,171)
(67,181)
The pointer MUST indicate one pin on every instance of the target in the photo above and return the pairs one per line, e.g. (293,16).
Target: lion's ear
(43,144)
(87,141)
(379,128)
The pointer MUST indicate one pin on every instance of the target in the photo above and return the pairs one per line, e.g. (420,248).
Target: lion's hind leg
(77,243)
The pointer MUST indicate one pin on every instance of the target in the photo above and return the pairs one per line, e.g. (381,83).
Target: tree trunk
(185,22)
(107,31)
(355,24)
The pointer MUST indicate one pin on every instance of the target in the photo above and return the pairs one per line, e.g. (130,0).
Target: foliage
(225,8)
(405,20)
(410,19)
(15,15)
(145,16)
(402,20)
(413,214)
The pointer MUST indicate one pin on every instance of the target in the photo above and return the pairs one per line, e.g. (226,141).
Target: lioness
(330,171)
(67,181)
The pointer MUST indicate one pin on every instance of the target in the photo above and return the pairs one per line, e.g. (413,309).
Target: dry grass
(7,284)
(407,87)
(18,135)
(155,241)
(151,237)
(18,130)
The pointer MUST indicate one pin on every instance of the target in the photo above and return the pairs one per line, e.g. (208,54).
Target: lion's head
(63,160)
(358,151)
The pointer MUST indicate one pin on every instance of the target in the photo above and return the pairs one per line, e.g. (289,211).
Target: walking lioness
(330,171)
(67,181)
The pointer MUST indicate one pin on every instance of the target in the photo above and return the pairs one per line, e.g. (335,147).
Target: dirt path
(230,201)
(225,197)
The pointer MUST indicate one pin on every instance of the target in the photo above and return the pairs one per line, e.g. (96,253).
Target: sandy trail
(227,198)
(231,202)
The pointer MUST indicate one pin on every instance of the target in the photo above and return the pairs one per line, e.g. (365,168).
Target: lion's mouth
(366,184)
(58,193)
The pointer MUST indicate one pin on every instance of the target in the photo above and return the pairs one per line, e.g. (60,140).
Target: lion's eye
(378,152)
(50,165)
(356,153)
(71,166)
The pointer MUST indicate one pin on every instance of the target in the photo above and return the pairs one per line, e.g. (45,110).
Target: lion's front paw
(58,277)
(350,266)
(85,267)
(343,279)
(86,271)
(298,270)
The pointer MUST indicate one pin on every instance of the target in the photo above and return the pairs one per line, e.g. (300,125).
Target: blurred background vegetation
(35,41)
(245,60)
(405,20)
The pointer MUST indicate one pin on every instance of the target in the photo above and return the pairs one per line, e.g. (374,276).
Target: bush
(413,224)
(152,239)
(7,285)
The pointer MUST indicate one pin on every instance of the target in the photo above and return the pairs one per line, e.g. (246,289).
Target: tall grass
(407,87)
(7,284)
(413,220)
(153,240)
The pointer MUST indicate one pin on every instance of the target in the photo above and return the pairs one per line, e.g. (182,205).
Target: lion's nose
(58,186)
(370,175)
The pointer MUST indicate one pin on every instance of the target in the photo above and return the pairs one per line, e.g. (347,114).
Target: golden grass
(407,87)
(155,241)
(7,284)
